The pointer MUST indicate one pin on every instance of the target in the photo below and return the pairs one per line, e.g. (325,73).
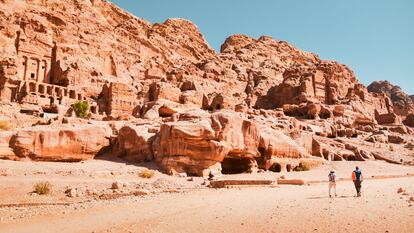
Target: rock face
(258,104)
(223,138)
(403,103)
(119,63)
(134,143)
(43,143)
(64,51)
(409,121)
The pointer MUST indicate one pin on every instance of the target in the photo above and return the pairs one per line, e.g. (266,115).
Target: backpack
(331,177)
(358,175)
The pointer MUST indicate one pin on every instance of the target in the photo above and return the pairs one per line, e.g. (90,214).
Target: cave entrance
(351,158)
(235,165)
(275,168)
(93,109)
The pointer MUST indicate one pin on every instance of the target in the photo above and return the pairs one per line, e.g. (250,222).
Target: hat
(332,171)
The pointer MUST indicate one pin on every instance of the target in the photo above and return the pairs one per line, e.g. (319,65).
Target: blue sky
(374,37)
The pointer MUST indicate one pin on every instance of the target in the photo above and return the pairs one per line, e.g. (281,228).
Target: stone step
(239,183)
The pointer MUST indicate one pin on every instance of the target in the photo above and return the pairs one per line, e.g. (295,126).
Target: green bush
(81,109)
(4,125)
(42,188)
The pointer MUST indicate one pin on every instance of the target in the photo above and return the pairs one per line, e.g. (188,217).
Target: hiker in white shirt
(332,182)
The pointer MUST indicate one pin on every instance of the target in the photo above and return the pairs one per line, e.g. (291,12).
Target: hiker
(357,179)
(332,182)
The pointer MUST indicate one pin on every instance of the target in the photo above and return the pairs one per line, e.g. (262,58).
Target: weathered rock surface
(403,103)
(119,62)
(409,121)
(134,143)
(289,104)
(222,137)
(43,143)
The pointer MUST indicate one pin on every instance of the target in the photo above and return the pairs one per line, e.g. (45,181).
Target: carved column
(37,70)
(26,61)
(43,73)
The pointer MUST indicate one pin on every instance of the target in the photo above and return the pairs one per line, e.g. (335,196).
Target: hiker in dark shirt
(357,179)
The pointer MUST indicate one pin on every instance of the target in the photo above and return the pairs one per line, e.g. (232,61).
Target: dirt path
(284,209)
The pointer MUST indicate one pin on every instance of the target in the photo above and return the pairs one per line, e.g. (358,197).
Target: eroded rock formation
(258,104)
(43,143)
(403,103)
(210,140)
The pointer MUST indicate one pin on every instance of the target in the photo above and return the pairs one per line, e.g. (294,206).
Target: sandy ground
(179,205)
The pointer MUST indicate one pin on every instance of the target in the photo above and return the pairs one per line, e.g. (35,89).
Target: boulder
(401,129)
(134,143)
(5,151)
(154,73)
(163,90)
(409,121)
(396,139)
(192,97)
(42,143)
(363,120)
(387,118)
(339,111)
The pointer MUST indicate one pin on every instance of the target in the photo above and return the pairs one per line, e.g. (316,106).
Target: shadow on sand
(111,158)
(327,197)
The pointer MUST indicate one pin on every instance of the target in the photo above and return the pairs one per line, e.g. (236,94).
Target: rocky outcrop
(134,143)
(288,103)
(223,138)
(409,121)
(5,151)
(403,103)
(119,63)
(43,143)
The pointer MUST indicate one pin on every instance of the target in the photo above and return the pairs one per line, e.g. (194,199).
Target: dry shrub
(302,167)
(308,164)
(42,188)
(147,174)
(4,125)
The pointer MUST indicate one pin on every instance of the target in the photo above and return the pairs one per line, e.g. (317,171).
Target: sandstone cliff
(257,104)
(403,103)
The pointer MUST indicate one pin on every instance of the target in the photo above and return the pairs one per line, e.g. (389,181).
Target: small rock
(400,190)
(92,192)
(116,185)
(142,192)
(190,179)
(73,192)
